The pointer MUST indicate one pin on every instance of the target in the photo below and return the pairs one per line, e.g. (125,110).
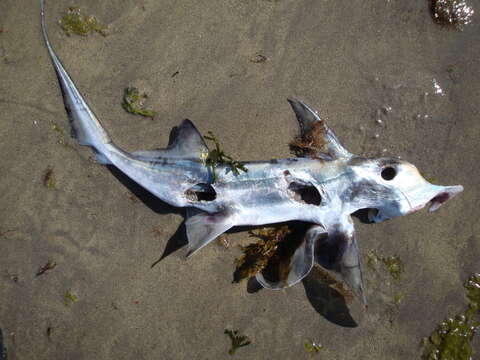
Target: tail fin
(86,128)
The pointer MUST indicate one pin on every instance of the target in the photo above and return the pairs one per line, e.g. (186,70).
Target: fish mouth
(443,196)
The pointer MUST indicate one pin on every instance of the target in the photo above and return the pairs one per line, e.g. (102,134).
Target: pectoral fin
(351,270)
(339,251)
(297,267)
(202,228)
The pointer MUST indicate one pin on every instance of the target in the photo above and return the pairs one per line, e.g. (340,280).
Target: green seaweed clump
(74,22)
(312,347)
(451,340)
(217,157)
(69,298)
(398,298)
(393,263)
(473,294)
(394,266)
(373,259)
(60,133)
(133,103)
(238,341)
(257,255)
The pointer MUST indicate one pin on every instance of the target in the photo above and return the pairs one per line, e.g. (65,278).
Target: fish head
(391,187)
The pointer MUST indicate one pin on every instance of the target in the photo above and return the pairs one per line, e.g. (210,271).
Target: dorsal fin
(185,142)
(309,122)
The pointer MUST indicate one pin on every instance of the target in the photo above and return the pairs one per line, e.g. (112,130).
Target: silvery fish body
(323,189)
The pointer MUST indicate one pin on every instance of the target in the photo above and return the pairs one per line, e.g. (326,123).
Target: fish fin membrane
(351,270)
(300,264)
(307,118)
(339,251)
(185,143)
(203,228)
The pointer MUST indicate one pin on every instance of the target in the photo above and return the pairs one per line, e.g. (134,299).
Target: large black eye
(389,173)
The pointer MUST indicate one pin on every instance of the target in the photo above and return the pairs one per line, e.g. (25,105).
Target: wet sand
(355,62)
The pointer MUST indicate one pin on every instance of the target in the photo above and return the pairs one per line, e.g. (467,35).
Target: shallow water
(356,62)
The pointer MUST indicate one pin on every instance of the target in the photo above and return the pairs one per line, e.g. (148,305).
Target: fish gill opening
(201,192)
(306,193)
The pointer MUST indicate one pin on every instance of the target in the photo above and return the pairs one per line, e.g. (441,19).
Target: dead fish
(323,189)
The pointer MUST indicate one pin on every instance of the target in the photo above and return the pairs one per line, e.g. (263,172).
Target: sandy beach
(388,80)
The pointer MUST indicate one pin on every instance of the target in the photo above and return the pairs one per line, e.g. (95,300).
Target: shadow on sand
(326,301)
(177,240)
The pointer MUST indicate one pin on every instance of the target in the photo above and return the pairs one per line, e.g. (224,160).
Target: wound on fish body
(323,188)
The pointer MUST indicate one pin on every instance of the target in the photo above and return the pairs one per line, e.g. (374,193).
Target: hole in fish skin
(201,192)
(306,193)
(365,215)
(389,173)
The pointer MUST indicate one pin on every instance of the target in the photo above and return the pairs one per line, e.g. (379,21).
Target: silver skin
(323,190)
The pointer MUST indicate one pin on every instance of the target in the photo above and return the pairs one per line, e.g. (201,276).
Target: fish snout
(443,195)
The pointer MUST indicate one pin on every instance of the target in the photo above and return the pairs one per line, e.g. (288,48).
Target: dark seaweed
(50,265)
(311,142)
(257,255)
(238,341)
(258,59)
(49,179)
